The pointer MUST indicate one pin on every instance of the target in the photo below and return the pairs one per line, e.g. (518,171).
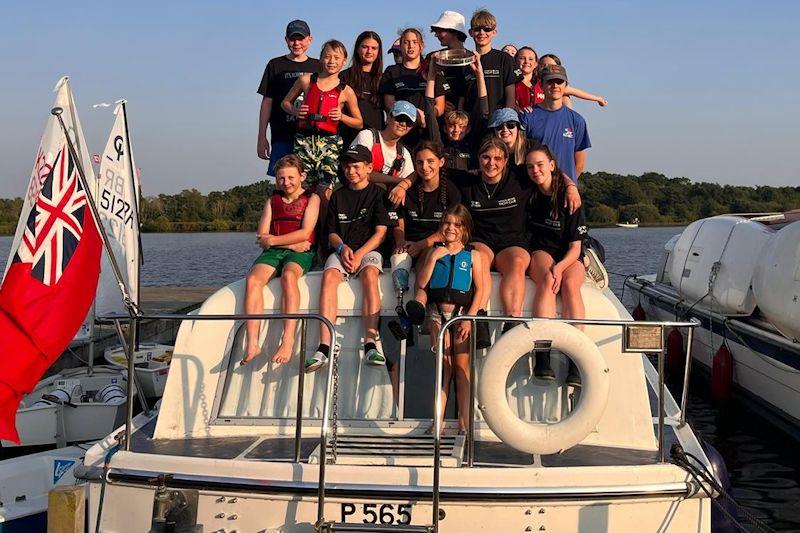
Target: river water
(764,462)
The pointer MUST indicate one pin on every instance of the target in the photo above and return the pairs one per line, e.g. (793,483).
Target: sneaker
(315,362)
(595,269)
(398,331)
(482,337)
(508,325)
(573,376)
(542,368)
(375,358)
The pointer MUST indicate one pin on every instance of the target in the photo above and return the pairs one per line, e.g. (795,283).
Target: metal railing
(323,438)
(470,438)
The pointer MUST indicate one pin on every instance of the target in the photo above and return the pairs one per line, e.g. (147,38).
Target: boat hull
(766,364)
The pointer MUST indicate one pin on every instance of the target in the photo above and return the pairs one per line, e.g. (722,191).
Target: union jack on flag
(55,224)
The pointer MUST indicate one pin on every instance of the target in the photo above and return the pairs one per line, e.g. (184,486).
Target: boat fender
(638,313)
(111,394)
(720,523)
(56,396)
(676,358)
(722,374)
(537,437)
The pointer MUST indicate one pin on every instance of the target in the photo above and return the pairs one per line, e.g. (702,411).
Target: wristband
(340,248)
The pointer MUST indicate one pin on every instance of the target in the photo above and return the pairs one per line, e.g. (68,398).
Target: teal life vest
(451,281)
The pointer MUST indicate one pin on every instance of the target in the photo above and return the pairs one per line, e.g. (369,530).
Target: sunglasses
(404,121)
(556,81)
(510,126)
(484,29)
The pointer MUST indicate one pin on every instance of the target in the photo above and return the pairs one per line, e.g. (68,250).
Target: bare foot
(252,353)
(283,355)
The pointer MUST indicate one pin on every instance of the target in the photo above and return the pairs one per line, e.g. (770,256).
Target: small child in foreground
(447,273)
(286,233)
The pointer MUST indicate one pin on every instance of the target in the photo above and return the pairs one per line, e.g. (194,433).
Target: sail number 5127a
(376,513)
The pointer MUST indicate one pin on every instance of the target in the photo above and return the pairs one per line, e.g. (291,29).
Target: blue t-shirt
(563,131)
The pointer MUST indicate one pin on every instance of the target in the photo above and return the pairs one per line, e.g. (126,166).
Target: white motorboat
(76,405)
(152,365)
(740,278)
(249,448)
(634,223)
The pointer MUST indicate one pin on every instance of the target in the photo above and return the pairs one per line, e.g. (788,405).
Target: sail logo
(61,467)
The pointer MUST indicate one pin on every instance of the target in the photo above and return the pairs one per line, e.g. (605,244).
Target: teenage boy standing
(499,72)
(279,76)
(554,124)
(451,31)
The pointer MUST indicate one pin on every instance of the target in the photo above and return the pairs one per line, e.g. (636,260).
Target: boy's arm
(583,95)
(262,234)
(379,177)
(433,125)
(580,161)
(299,86)
(399,235)
(264,114)
(388,101)
(306,228)
(372,243)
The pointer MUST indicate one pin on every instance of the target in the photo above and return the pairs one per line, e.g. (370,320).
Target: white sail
(118,203)
(44,159)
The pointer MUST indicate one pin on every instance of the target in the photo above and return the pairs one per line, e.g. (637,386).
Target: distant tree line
(608,198)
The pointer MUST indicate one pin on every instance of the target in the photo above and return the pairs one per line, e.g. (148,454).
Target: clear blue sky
(706,90)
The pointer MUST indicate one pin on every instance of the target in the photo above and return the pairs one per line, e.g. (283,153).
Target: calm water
(764,463)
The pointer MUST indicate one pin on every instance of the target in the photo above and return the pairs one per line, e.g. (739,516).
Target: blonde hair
(482,17)
(289,161)
(455,116)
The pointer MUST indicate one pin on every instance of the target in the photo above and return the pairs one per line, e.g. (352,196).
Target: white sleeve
(364,138)
(408,167)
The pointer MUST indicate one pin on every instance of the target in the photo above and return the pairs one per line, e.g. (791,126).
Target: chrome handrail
(583,321)
(323,438)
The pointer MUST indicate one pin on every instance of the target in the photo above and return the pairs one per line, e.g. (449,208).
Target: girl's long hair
(438,151)
(366,82)
(559,184)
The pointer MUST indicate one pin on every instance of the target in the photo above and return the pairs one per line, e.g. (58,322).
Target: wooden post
(66,509)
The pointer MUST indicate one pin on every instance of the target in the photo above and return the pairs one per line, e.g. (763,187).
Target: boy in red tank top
(286,233)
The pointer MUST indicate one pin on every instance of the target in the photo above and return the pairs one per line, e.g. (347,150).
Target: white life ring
(538,437)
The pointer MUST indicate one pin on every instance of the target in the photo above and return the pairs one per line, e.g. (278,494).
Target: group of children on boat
(453,168)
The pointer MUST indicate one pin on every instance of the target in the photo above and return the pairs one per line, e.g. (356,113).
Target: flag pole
(140,259)
(132,308)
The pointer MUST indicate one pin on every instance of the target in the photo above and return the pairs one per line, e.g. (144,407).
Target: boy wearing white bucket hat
(450,28)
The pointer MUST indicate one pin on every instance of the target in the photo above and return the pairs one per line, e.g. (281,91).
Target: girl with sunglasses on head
(406,81)
(364,77)
(556,265)
(552,59)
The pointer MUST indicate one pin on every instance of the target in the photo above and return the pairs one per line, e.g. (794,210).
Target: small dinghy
(75,405)
(152,365)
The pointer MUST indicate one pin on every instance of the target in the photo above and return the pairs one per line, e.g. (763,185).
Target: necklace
(486,189)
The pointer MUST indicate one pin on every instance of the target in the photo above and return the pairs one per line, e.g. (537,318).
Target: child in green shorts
(286,233)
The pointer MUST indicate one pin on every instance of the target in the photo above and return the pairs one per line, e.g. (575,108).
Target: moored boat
(230,449)
(738,276)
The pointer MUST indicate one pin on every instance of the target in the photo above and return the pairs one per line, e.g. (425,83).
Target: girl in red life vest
(528,92)
(318,142)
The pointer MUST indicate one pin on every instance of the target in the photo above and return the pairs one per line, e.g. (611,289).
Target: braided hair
(438,150)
